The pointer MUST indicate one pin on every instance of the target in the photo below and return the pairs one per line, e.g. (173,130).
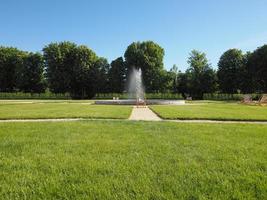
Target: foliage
(66,67)
(201,78)
(117,75)
(229,68)
(149,57)
(59,64)
(30,75)
(11,59)
(23,95)
(257,67)
(71,68)
(228,97)
(147,95)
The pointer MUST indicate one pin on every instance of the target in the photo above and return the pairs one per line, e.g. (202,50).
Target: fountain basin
(133,102)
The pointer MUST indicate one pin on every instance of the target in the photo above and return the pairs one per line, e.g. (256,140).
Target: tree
(182,84)
(117,75)
(99,74)
(200,76)
(71,68)
(257,67)
(175,73)
(59,65)
(229,68)
(82,83)
(244,76)
(149,57)
(11,59)
(30,76)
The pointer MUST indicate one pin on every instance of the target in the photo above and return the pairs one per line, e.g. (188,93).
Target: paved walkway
(144,114)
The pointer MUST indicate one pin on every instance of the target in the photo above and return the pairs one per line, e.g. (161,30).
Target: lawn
(69,109)
(132,160)
(213,110)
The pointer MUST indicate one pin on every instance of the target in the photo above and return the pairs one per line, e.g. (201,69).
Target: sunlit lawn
(212,110)
(132,160)
(61,109)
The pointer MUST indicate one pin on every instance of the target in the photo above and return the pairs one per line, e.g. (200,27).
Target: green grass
(214,111)
(73,109)
(132,160)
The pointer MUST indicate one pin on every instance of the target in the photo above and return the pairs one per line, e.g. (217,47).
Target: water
(135,86)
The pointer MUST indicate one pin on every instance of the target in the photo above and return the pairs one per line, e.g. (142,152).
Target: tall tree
(229,68)
(71,68)
(30,76)
(244,76)
(99,74)
(149,57)
(175,73)
(11,59)
(82,84)
(257,67)
(117,75)
(200,76)
(59,65)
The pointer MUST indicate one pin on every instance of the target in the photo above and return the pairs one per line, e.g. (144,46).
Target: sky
(109,26)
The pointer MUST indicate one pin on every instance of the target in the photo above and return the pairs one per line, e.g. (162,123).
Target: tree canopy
(229,68)
(66,67)
(149,57)
(257,67)
(201,78)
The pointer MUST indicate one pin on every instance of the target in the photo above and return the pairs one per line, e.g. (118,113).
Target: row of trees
(69,68)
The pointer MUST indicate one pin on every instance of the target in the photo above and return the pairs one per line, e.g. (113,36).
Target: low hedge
(148,96)
(229,97)
(22,95)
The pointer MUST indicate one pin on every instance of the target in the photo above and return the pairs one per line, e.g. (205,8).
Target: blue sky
(109,26)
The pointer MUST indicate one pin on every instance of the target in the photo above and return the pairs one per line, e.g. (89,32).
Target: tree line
(66,67)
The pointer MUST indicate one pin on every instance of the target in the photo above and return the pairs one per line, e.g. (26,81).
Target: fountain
(136,93)
(136,88)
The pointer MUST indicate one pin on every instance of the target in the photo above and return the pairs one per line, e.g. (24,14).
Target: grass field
(132,160)
(213,110)
(61,109)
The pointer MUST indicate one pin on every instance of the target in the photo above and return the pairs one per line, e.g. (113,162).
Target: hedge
(22,95)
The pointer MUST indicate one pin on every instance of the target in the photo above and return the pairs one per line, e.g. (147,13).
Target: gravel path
(144,114)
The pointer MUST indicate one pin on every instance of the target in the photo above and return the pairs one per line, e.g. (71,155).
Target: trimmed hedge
(148,96)
(22,95)
(229,97)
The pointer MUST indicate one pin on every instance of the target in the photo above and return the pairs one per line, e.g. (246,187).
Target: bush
(22,95)
(228,97)
(148,96)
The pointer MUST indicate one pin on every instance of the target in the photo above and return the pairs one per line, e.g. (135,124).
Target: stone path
(144,114)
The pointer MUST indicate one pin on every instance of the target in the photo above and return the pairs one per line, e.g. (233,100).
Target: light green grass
(62,110)
(215,111)
(132,160)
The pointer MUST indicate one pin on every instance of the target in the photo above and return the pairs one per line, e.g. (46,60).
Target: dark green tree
(11,59)
(257,67)
(229,69)
(82,82)
(59,61)
(200,76)
(117,75)
(149,57)
(244,76)
(99,74)
(182,84)
(30,76)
